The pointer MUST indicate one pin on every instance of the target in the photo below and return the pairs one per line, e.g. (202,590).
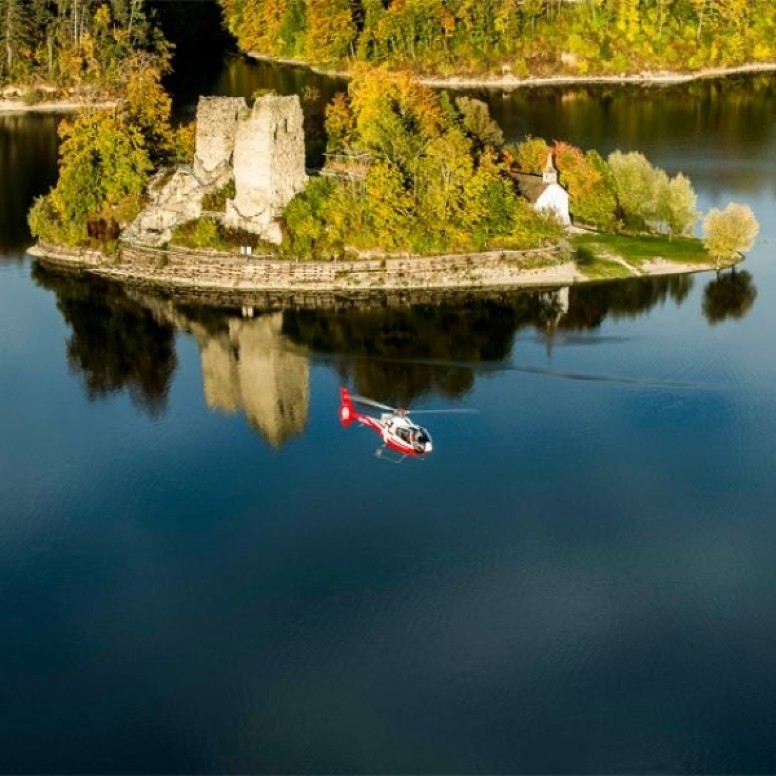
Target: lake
(202,571)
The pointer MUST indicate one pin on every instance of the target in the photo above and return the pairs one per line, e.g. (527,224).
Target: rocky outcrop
(173,200)
(261,149)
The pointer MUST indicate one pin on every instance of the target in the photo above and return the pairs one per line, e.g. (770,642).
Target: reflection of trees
(729,117)
(590,304)
(731,295)
(116,344)
(398,354)
(242,77)
(28,166)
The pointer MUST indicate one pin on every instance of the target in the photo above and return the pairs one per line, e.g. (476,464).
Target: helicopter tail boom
(347,411)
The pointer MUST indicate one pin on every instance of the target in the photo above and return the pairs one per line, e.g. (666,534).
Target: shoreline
(15,107)
(182,270)
(508,82)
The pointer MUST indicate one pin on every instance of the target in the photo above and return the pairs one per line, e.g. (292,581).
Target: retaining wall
(184,269)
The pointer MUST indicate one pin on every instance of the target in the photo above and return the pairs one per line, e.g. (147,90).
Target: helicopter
(399,434)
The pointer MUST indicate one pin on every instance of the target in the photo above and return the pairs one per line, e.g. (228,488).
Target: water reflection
(737,109)
(28,167)
(589,305)
(116,344)
(396,349)
(248,366)
(731,295)
(397,354)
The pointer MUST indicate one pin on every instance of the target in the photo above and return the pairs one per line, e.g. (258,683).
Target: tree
(729,232)
(681,212)
(531,154)
(330,30)
(476,120)
(390,206)
(14,32)
(102,161)
(639,188)
(148,108)
(589,183)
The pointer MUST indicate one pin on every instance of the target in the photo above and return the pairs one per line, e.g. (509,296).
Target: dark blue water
(201,571)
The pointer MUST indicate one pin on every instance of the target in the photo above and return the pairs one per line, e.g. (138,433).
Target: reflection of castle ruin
(253,368)
(248,365)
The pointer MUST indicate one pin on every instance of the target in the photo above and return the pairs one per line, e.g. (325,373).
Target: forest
(426,172)
(409,169)
(51,48)
(515,37)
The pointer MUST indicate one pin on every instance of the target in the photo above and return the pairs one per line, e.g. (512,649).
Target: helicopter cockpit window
(403,433)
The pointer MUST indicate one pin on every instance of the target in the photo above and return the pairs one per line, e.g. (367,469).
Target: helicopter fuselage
(397,431)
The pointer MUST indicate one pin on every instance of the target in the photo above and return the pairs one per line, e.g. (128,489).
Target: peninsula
(418,192)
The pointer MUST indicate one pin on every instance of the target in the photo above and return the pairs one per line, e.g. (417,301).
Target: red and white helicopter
(398,432)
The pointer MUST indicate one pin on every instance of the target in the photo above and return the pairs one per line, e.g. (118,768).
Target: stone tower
(261,149)
(217,119)
(268,165)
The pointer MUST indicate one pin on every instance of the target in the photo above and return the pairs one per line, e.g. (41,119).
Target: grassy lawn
(601,255)
(635,250)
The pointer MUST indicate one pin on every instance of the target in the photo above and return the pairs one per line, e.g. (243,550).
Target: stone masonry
(268,165)
(261,149)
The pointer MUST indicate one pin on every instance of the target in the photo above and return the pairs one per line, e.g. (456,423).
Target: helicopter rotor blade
(371,403)
(455,411)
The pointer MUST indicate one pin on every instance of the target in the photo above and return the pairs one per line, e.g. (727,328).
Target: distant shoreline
(506,82)
(510,82)
(15,107)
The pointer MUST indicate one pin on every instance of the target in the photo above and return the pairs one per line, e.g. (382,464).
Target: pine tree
(14,32)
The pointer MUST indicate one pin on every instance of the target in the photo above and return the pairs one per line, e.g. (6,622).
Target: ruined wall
(217,121)
(268,165)
(261,149)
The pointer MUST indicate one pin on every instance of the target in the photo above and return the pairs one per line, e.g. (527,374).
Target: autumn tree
(680,205)
(729,232)
(477,122)
(589,183)
(103,162)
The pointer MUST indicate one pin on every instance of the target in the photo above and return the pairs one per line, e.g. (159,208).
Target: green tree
(14,32)
(589,183)
(639,187)
(681,210)
(103,170)
(390,206)
(476,120)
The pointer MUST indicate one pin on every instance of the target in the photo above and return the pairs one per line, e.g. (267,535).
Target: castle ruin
(261,149)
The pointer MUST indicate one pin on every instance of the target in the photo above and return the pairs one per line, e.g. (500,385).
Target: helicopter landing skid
(391,457)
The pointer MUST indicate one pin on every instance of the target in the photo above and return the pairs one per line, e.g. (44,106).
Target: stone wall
(268,165)
(261,149)
(217,121)
(185,270)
